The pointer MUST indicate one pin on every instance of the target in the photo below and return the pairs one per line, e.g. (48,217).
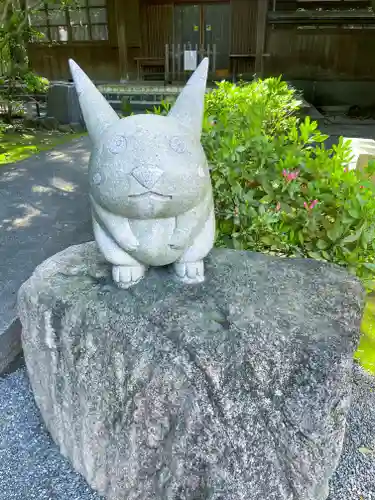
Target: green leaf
(314,255)
(266,199)
(366,237)
(261,210)
(327,197)
(267,240)
(286,208)
(321,138)
(352,237)
(353,212)
(237,245)
(335,232)
(322,245)
(346,220)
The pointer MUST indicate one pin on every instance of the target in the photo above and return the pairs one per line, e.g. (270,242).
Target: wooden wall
(324,53)
(321,54)
(99,61)
(148,27)
(330,50)
(156,28)
(243,32)
(312,4)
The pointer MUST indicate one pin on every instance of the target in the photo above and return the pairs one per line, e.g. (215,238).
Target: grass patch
(16,146)
(366,350)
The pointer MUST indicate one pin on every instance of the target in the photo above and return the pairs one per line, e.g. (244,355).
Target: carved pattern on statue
(117,144)
(177,145)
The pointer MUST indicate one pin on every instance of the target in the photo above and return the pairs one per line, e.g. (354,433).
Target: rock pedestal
(234,389)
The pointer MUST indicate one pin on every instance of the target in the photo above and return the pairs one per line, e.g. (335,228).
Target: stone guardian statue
(150,186)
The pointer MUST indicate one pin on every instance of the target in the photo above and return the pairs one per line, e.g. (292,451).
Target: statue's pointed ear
(97,112)
(189,106)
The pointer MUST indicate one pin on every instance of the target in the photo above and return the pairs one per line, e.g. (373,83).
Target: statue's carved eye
(177,145)
(117,144)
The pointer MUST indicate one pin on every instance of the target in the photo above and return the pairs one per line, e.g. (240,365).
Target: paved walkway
(44,208)
(348,128)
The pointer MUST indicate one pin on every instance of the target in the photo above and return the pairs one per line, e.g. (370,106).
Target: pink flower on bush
(346,169)
(278,206)
(290,176)
(310,206)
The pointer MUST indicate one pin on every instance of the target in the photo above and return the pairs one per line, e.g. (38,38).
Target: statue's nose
(147,176)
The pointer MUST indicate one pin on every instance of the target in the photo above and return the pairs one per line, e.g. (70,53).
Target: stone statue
(150,186)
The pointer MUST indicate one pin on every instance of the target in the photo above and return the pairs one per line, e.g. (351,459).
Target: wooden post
(261,36)
(179,61)
(173,63)
(120,12)
(166,72)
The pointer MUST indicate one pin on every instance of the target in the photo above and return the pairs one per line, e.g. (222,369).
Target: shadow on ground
(44,208)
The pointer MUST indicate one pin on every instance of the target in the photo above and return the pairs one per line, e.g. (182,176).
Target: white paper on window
(63,33)
(190,60)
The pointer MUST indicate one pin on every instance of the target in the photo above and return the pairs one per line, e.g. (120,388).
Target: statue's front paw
(189,272)
(127,276)
(178,240)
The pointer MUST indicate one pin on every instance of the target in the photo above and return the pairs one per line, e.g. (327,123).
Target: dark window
(86,21)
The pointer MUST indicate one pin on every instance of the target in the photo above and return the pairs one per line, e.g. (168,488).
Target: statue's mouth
(151,195)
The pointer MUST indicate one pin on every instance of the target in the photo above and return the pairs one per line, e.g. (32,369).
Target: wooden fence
(321,40)
(321,54)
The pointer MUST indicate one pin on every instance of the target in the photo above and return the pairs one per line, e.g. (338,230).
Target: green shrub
(2,128)
(15,84)
(126,107)
(277,188)
(34,83)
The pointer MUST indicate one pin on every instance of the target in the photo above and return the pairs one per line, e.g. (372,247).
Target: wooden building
(115,40)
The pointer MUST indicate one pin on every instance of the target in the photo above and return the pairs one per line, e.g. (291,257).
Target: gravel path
(355,476)
(31,467)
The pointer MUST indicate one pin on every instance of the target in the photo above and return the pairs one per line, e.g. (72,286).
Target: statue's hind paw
(189,272)
(127,276)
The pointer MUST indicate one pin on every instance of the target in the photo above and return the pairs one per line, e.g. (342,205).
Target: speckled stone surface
(233,389)
(150,184)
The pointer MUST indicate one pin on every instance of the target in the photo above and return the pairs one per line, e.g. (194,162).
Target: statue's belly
(154,237)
